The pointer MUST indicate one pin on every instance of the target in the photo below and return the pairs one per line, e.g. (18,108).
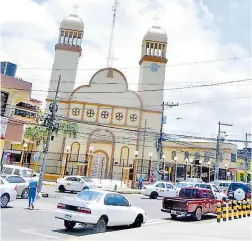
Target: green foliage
(69,128)
(35,133)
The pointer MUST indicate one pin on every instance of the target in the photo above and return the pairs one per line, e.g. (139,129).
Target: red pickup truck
(192,201)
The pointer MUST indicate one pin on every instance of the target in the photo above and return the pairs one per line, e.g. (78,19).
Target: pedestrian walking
(151,179)
(140,182)
(32,193)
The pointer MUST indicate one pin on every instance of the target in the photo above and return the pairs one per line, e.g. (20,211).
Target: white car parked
(74,184)
(99,208)
(21,183)
(159,189)
(8,192)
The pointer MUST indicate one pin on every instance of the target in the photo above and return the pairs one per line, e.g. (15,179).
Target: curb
(49,184)
(125,192)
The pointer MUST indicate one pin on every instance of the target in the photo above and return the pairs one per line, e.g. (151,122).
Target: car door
(217,193)
(127,213)
(213,202)
(206,202)
(77,184)
(111,209)
(160,188)
(170,190)
(14,180)
(68,183)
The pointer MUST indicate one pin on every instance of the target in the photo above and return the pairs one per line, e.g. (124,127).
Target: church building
(111,118)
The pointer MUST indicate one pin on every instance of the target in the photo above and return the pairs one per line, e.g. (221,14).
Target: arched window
(207,156)
(187,155)
(197,156)
(124,156)
(173,155)
(75,149)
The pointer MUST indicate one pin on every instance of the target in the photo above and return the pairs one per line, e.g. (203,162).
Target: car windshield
(182,184)
(88,195)
(26,173)
(86,179)
(189,193)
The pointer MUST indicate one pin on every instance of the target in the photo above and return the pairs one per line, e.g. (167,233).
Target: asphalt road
(20,223)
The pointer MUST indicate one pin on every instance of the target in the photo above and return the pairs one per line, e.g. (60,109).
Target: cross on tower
(76,7)
(156,21)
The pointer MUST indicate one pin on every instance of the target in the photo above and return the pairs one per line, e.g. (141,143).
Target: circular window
(75,111)
(133,117)
(105,114)
(90,113)
(119,116)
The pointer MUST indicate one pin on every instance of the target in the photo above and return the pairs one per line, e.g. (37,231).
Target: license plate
(68,217)
(173,212)
(161,190)
(68,184)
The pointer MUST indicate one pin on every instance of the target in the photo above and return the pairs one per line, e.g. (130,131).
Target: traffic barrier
(224,212)
(218,212)
(244,208)
(239,209)
(248,208)
(230,211)
(235,210)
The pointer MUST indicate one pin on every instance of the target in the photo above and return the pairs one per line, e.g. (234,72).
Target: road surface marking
(31,231)
(149,222)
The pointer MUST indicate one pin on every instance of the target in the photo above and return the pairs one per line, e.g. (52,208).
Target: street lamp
(209,172)
(175,160)
(186,161)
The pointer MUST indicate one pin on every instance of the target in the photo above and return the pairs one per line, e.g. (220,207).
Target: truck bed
(177,204)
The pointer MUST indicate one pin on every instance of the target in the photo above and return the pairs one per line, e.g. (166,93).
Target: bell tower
(67,53)
(152,68)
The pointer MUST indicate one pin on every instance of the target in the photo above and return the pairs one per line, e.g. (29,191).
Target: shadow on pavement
(84,231)
(191,219)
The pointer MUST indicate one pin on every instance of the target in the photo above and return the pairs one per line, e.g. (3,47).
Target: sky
(209,41)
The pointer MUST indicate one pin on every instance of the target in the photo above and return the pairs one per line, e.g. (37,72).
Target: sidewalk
(181,231)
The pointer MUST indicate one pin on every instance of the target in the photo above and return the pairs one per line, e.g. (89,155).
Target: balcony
(25,113)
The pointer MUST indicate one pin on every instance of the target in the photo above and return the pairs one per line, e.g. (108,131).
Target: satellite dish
(239,194)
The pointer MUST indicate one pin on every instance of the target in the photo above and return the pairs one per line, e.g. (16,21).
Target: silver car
(21,184)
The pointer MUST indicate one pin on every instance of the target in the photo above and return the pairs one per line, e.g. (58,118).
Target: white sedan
(100,209)
(8,192)
(159,189)
(74,184)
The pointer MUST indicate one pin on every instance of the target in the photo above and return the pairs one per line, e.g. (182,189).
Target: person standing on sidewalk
(32,193)
(140,182)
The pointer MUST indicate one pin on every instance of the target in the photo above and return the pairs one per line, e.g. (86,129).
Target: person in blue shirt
(32,193)
(140,182)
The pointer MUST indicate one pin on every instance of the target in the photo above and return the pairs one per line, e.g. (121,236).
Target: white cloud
(29,29)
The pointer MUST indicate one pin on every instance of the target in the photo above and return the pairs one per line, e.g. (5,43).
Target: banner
(4,124)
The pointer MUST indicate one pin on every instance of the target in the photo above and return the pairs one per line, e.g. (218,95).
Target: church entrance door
(98,165)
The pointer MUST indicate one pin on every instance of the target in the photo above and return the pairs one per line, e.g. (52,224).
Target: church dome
(72,22)
(156,34)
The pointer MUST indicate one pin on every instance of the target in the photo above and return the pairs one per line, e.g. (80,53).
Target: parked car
(183,184)
(74,184)
(192,201)
(99,208)
(222,185)
(24,172)
(239,191)
(21,184)
(8,192)
(159,189)
(193,179)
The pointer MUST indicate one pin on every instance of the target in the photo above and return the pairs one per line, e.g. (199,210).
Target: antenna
(110,54)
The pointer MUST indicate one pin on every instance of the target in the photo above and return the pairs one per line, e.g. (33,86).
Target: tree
(35,133)
(69,128)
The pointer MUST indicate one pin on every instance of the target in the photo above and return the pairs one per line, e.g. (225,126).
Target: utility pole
(160,145)
(52,125)
(217,164)
(246,156)
(143,147)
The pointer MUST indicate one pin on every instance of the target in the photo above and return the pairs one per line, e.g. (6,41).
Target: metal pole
(246,156)
(51,124)
(143,147)
(216,170)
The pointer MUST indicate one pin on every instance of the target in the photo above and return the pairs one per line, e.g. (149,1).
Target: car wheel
(101,226)
(25,193)
(5,198)
(62,188)
(85,188)
(69,225)
(154,195)
(138,221)
(198,214)
(173,216)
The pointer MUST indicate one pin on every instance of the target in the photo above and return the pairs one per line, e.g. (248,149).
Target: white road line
(32,231)
(155,221)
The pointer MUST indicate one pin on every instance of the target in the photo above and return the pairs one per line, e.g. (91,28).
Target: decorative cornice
(68,48)
(153,59)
